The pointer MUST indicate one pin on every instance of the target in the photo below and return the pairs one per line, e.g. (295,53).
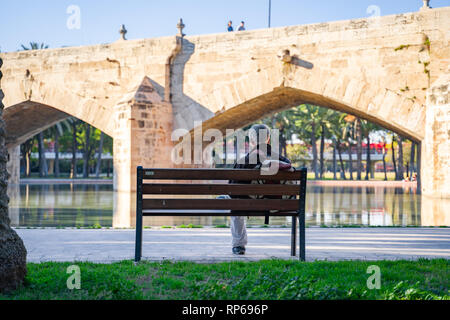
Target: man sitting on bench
(260,152)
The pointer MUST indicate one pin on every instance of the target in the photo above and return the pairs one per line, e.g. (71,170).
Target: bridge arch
(28,118)
(45,105)
(277,88)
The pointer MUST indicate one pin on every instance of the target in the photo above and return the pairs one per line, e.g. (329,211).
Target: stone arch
(28,118)
(24,120)
(282,86)
(33,106)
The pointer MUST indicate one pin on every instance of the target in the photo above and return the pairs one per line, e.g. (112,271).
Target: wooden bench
(164,206)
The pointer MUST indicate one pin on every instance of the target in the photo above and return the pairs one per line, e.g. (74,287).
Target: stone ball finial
(180,27)
(123,32)
(426,4)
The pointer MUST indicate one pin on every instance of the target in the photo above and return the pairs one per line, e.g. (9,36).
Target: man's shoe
(238,250)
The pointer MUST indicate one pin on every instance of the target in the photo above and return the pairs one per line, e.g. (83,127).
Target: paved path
(213,245)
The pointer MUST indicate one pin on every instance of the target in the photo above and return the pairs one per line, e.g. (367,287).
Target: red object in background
(51,146)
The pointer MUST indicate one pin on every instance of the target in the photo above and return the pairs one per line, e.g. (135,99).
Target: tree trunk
(340,160)
(401,168)
(73,168)
(13,254)
(334,159)
(27,146)
(350,160)
(358,148)
(322,149)
(407,169)
(42,161)
(393,157)
(27,164)
(412,158)
(314,149)
(56,153)
(99,156)
(86,154)
(368,162)
(384,164)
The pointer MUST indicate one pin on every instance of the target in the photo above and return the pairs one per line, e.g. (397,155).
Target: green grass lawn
(269,279)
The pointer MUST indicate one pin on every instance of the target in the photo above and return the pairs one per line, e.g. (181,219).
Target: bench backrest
(149,183)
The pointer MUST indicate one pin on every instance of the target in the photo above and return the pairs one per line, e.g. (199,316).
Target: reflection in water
(73,205)
(60,205)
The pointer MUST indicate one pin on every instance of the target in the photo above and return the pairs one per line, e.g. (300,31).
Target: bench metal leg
(301,240)
(138,244)
(293,236)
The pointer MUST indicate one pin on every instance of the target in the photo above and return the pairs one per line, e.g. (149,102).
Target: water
(85,205)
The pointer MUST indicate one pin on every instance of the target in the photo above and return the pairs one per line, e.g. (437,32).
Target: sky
(61,23)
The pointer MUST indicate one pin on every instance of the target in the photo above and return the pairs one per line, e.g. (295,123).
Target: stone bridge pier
(142,138)
(435,160)
(13,165)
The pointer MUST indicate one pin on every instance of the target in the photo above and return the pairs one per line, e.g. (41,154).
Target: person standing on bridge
(230,26)
(242,27)
(260,150)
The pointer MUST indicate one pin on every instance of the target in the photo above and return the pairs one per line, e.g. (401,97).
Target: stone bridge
(391,70)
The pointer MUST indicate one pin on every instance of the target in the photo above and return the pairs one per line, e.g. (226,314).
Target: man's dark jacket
(247,165)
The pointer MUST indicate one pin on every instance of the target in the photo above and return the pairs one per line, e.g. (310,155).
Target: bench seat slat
(221,189)
(221,204)
(213,213)
(218,174)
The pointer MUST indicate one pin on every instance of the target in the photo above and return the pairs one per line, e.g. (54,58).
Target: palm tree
(57,131)
(73,168)
(383,137)
(283,122)
(87,149)
(13,254)
(412,158)
(349,135)
(358,128)
(56,136)
(339,132)
(43,169)
(26,149)
(393,156)
(35,46)
(99,156)
(322,149)
(308,121)
(88,140)
(326,116)
(334,158)
(368,128)
(401,168)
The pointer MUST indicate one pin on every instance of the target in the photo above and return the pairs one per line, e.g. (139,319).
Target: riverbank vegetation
(339,146)
(268,279)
